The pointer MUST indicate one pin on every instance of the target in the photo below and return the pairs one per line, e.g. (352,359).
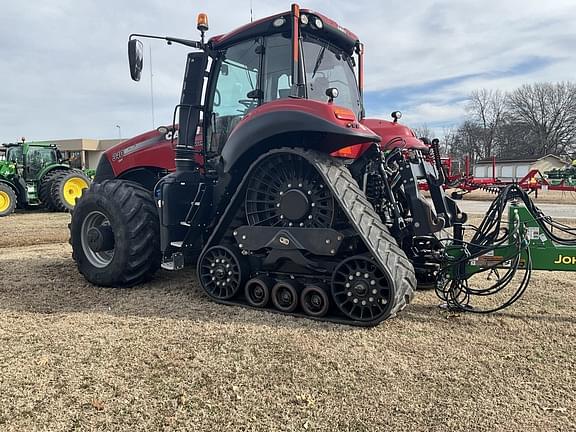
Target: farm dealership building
(515,169)
(83,152)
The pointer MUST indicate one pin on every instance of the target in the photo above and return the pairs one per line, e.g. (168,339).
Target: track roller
(285,296)
(360,289)
(257,291)
(314,301)
(221,272)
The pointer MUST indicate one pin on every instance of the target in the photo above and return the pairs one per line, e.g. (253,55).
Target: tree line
(531,121)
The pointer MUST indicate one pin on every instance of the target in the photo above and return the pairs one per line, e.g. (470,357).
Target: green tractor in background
(36,174)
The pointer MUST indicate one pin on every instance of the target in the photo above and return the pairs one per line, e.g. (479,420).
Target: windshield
(41,156)
(327,67)
(14,154)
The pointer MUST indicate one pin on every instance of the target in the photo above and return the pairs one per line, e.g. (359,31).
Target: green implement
(530,241)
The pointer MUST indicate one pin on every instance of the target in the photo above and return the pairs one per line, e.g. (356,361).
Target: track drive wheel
(221,272)
(66,188)
(360,289)
(115,234)
(45,188)
(286,190)
(8,200)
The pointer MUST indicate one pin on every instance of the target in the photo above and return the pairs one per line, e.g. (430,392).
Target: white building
(515,169)
(83,152)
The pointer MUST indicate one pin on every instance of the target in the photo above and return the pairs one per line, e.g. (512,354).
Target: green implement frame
(506,251)
(535,246)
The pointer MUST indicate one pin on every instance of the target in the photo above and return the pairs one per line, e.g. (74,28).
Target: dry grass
(163,357)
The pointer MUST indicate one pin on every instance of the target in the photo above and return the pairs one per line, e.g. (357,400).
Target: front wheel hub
(101,238)
(97,239)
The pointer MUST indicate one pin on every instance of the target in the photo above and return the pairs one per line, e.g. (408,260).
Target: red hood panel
(388,131)
(150,149)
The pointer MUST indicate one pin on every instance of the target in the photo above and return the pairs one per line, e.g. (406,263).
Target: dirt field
(163,357)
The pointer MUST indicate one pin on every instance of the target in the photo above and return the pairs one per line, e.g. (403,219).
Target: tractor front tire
(8,200)
(45,189)
(66,188)
(115,234)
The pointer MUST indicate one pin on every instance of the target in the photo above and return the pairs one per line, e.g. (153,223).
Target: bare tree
(423,131)
(486,110)
(549,112)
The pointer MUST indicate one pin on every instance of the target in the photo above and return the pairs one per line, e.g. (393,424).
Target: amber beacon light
(202,22)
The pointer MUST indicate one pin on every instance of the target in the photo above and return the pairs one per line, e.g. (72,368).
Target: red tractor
(277,187)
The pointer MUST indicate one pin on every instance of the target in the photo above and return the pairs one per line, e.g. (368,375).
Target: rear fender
(20,190)
(282,125)
(52,168)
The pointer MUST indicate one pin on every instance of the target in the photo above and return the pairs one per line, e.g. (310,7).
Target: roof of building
(78,144)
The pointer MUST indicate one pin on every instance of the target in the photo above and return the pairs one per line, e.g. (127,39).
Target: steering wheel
(248,103)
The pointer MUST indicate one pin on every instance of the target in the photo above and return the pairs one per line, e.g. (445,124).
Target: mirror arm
(169,40)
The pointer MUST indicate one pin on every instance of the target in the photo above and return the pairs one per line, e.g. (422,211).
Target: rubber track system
(360,213)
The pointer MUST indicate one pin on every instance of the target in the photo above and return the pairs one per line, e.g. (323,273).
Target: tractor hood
(388,131)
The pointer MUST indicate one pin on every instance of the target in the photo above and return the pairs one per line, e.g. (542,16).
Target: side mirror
(136,58)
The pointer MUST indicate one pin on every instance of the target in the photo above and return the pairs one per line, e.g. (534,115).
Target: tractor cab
(252,71)
(33,157)
(296,55)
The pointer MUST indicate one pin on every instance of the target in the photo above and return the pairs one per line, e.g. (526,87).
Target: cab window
(277,67)
(234,95)
(14,154)
(327,66)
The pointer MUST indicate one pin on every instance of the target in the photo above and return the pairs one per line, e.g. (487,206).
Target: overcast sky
(64,68)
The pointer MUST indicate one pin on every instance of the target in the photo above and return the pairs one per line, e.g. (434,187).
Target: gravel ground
(163,357)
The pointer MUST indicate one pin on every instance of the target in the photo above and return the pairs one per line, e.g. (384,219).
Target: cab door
(237,90)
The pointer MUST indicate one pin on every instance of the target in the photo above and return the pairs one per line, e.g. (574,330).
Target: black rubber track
(45,188)
(56,193)
(376,236)
(133,217)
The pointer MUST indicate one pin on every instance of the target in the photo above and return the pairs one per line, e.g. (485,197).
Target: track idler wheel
(285,296)
(257,291)
(221,272)
(361,290)
(315,301)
